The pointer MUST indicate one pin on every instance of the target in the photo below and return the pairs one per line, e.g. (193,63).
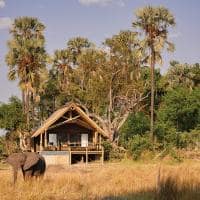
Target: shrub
(137,144)
(136,124)
(107,149)
(180,108)
(112,152)
(1,145)
(168,136)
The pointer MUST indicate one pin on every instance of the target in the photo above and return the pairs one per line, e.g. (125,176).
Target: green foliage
(26,50)
(160,88)
(190,139)
(154,23)
(11,120)
(11,115)
(168,136)
(138,144)
(75,47)
(181,109)
(112,153)
(136,124)
(2,144)
(183,75)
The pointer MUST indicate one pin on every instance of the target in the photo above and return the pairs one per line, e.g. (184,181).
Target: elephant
(32,164)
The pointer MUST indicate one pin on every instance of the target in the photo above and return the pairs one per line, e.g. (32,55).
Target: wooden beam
(64,122)
(81,123)
(45,138)
(64,117)
(90,121)
(84,124)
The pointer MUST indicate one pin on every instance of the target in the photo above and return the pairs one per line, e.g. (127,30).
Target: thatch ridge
(60,112)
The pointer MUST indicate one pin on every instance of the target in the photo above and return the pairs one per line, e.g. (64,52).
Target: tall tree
(108,81)
(154,23)
(183,75)
(27,59)
(75,46)
(61,63)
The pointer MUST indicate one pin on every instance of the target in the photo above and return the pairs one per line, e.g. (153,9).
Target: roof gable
(60,112)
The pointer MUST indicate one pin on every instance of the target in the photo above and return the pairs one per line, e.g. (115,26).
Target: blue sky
(96,20)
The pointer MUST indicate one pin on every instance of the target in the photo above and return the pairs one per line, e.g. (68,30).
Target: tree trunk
(27,111)
(152,66)
(23,101)
(110,105)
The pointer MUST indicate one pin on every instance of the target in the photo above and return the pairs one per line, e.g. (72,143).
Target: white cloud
(2,3)
(5,22)
(102,2)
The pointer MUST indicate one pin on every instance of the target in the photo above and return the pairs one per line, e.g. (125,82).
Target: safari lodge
(69,136)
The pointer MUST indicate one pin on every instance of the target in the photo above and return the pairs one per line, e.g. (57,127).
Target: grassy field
(119,181)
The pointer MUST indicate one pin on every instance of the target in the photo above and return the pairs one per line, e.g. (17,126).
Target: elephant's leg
(14,175)
(23,172)
(27,174)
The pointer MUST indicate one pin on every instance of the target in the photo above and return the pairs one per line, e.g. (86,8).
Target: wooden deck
(77,150)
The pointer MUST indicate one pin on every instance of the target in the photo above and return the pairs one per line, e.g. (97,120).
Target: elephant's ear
(31,159)
(16,160)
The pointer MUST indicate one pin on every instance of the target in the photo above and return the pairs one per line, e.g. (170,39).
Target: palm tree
(154,23)
(26,58)
(75,46)
(62,65)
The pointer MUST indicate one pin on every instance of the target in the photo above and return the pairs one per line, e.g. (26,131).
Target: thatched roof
(60,112)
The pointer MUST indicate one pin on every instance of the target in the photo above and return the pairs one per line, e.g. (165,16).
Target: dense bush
(11,115)
(137,144)
(180,109)
(112,152)
(1,145)
(167,136)
(107,149)
(136,124)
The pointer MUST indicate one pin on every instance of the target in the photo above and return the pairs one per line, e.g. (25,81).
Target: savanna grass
(108,182)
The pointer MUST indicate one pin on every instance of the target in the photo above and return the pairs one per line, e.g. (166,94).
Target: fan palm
(26,57)
(154,23)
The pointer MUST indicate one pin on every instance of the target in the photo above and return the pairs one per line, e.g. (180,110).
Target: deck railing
(74,146)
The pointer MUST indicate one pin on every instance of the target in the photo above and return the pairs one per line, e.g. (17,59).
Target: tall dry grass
(108,182)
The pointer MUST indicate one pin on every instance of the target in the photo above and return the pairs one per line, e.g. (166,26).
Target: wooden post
(86,160)
(70,156)
(41,141)
(100,139)
(102,156)
(45,138)
(95,137)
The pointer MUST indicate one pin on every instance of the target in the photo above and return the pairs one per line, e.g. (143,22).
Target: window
(53,139)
